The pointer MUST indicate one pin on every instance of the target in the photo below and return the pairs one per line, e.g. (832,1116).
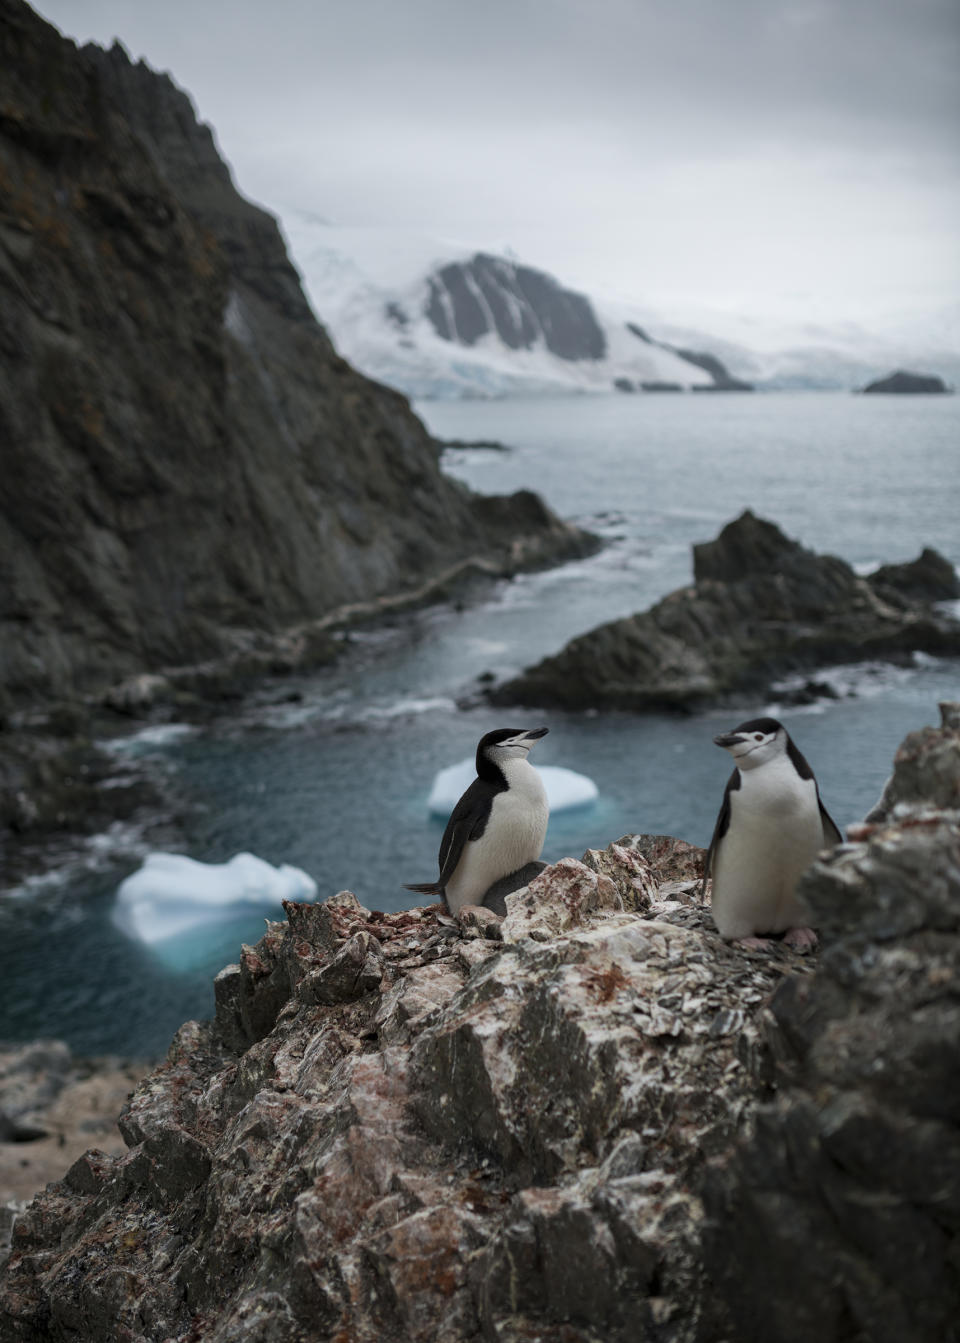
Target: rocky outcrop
(190,470)
(523,307)
(926,770)
(928,578)
(723,379)
(838,1216)
(590,1120)
(402,1128)
(908,382)
(761,606)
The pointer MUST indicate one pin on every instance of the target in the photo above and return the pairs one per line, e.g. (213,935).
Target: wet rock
(762,606)
(929,578)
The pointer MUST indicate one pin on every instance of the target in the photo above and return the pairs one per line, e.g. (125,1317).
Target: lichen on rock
(603,1124)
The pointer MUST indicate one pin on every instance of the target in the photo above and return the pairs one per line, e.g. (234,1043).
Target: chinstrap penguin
(499,824)
(771,826)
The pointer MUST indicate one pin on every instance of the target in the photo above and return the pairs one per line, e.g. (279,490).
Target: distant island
(902,382)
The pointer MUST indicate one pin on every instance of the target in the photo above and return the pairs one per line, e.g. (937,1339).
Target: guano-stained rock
(608,1126)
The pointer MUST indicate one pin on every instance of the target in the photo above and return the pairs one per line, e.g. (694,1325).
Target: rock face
(762,605)
(190,470)
(396,1130)
(592,1120)
(488,294)
(908,382)
(838,1217)
(928,578)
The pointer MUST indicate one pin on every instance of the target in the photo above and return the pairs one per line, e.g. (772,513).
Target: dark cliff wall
(185,457)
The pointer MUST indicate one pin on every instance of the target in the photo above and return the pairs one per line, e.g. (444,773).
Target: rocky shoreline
(590,1120)
(761,607)
(59,787)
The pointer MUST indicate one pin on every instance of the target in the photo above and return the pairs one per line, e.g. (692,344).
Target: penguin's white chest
(775,832)
(514,835)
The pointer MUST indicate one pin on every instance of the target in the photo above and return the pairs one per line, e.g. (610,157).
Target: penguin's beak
(536,733)
(729,739)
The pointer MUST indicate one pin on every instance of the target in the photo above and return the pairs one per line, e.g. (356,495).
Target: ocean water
(331,773)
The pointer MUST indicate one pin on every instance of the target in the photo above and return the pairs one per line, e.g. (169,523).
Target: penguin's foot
(753,943)
(801,939)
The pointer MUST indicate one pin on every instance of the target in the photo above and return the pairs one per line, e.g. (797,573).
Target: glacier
(372,288)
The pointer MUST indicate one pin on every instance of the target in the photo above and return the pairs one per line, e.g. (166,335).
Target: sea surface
(331,772)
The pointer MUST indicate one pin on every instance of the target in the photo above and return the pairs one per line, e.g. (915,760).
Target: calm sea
(336,780)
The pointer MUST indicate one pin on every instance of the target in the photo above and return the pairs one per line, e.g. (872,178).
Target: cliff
(190,469)
(761,606)
(592,1120)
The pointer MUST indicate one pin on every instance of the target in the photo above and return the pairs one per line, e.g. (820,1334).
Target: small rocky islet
(902,383)
(761,607)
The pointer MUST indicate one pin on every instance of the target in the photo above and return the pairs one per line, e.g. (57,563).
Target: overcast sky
(796,158)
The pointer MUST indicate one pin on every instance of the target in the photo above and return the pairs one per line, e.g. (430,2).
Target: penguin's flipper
(831,831)
(425,888)
(468,820)
(720,829)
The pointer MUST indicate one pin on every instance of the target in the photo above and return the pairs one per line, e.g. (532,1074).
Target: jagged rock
(762,606)
(926,769)
(929,577)
(608,1126)
(166,396)
(908,382)
(857,1163)
(375,1164)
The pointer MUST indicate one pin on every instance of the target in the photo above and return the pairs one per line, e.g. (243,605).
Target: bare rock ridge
(723,379)
(190,470)
(469,299)
(590,1122)
(761,606)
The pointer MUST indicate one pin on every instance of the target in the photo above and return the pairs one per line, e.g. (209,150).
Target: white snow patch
(172,893)
(565,788)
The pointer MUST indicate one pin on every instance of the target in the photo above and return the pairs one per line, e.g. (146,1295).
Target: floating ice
(565,788)
(172,894)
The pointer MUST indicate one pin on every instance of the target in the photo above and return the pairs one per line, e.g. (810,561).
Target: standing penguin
(771,826)
(499,824)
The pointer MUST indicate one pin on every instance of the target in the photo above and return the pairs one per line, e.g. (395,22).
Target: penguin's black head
(506,743)
(755,742)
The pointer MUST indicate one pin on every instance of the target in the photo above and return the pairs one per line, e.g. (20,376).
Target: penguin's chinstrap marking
(771,826)
(499,824)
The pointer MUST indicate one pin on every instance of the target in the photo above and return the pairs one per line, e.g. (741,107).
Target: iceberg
(172,894)
(565,788)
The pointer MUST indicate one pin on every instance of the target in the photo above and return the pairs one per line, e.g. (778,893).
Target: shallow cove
(337,780)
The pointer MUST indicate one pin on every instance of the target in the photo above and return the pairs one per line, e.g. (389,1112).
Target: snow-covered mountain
(439,320)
